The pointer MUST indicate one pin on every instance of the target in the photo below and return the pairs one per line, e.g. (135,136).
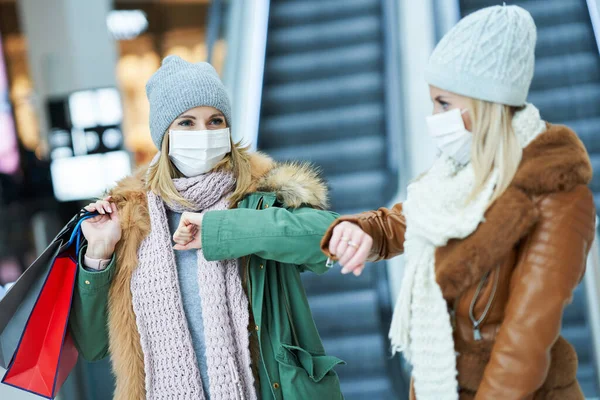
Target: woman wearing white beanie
(495,234)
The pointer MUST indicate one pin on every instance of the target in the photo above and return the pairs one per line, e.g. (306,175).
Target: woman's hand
(188,234)
(351,245)
(102,232)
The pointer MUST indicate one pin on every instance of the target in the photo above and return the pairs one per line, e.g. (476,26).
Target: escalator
(325,100)
(566,89)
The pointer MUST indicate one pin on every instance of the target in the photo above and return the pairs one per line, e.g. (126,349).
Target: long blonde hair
(495,145)
(161,174)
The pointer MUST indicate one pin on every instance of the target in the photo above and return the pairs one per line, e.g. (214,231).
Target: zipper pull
(453,318)
(476,333)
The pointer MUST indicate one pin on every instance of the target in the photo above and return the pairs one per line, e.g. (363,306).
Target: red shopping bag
(46,354)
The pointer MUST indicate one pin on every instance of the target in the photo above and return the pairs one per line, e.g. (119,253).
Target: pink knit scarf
(169,359)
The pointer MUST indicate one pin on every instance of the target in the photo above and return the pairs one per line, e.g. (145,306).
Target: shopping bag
(16,305)
(18,302)
(46,354)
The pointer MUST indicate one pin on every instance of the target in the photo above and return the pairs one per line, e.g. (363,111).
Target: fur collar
(295,184)
(555,161)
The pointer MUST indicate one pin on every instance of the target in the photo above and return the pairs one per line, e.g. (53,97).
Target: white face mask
(197,152)
(450,135)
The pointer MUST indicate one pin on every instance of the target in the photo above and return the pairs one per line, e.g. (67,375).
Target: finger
(181,240)
(106,206)
(191,218)
(186,237)
(348,254)
(335,239)
(108,198)
(361,254)
(359,270)
(100,207)
(92,207)
(184,246)
(354,244)
(343,247)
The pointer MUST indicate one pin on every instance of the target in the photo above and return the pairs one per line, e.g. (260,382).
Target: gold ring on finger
(352,244)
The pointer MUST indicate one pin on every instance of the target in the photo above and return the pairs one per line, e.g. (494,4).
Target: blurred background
(336,82)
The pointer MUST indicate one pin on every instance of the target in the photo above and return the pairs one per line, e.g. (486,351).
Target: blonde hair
(495,145)
(161,174)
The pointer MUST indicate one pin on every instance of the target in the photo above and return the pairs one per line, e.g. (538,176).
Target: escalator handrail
(594,10)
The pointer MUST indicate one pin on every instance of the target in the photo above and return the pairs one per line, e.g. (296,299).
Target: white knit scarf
(436,211)
(170,363)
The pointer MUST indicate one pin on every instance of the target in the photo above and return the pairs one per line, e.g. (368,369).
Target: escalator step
(289,13)
(323,94)
(372,184)
(568,103)
(558,71)
(339,156)
(364,354)
(580,337)
(359,29)
(328,312)
(324,63)
(547,13)
(318,126)
(587,130)
(563,40)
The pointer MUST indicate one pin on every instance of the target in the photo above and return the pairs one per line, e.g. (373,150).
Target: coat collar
(294,184)
(555,161)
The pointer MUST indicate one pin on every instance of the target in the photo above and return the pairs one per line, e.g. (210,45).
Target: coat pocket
(307,376)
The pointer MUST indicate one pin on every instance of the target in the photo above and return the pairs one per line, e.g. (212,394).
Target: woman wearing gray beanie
(495,234)
(221,314)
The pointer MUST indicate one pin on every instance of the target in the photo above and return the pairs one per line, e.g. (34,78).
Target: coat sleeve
(551,263)
(386,226)
(89,310)
(290,236)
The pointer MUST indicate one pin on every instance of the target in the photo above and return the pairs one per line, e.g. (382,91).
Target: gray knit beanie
(178,86)
(488,55)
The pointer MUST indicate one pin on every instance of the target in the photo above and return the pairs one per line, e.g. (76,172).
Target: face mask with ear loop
(198,152)
(450,135)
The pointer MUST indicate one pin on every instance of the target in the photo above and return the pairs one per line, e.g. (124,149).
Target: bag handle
(76,234)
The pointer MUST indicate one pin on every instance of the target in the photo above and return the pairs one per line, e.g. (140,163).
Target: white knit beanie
(488,55)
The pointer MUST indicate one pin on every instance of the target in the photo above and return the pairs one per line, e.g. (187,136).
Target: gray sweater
(187,272)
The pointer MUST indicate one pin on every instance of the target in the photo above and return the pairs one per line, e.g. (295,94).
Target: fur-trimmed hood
(555,161)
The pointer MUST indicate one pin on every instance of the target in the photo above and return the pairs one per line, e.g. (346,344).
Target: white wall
(244,68)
